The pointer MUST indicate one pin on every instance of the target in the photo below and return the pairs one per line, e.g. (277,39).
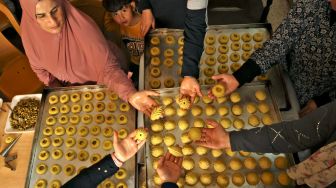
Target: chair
(16,75)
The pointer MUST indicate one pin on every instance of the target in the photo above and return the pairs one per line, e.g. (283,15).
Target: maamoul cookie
(235,164)
(180,41)
(141,134)
(216,152)
(63,119)
(187,150)
(57,141)
(95,130)
(180,50)
(41,168)
(238,123)
(181,112)
(53,110)
(258,37)
(198,122)
(237,109)
(223,180)
(246,56)
(121,174)
(122,133)
(100,106)
(108,183)
(267,178)
(183,124)
(155,51)
(169,139)
(83,131)
(209,71)
(100,95)
(253,120)
(169,125)
(47,131)
(156,179)
(87,96)
(210,39)
(121,185)
(155,72)
(122,119)
(41,183)
(83,155)
(196,110)
(258,46)
(238,179)
(204,163)
(175,150)
(156,139)
(206,179)
(200,150)
(55,169)
(244,153)
(70,142)
(53,99)
(59,131)
(87,107)
(56,154)
(108,132)
(246,37)
(223,58)
(252,178)
(221,100)
(235,46)
(223,49)
(169,83)
(43,155)
(281,162)
(95,158)
(226,123)
(195,133)
(82,143)
(223,69)
(168,53)
(110,119)
(191,178)
(247,47)
(155,40)
(229,152)
(235,37)
(283,178)
(234,57)
(155,61)
(107,145)
(235,66)
(113,96)
(209,81)
(210,60)
(183,102)
(64,98)
(167,101)
(219,165)
(267,119)
(51,120)
(157,151)
(223,111)
(170,39)
(75,97)
(265,163)
(185,138)
(64,109)
(210,110)
(235,97)
(263,107)
(70,155)
(87,118)
(206,99)
(210,50)
(45,142)
(250,163)
(99,118)
(169,111)
(223,39)
(69,169)
(169,62)
(180,60)
(218,90)
(157,126)
(260,95)
(251,108)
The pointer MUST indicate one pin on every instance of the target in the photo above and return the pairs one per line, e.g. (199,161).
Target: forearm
(194,32)
(247,72)
(94,175)
(287,137)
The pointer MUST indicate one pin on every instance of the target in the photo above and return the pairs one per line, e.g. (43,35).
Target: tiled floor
(278,12)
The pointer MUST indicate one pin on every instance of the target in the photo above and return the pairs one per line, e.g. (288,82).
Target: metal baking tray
(217,31)
(32,176)
(247,95)
(172,72)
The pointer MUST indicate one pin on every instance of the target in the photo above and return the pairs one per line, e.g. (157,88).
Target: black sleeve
(247,72)
(322,99)
(314,130)
(194,32)
(144,4)
(169,185)
(94,175)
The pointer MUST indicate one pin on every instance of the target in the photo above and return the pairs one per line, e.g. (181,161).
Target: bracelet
(116,160)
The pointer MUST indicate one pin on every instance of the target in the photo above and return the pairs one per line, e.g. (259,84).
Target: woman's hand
(310,106)
(169,168)
(147,21)
(229,81)
(215,138)
(143,102)
(126,148)
(190,87)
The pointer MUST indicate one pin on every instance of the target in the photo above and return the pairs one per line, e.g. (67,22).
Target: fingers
(152,93)
(199,92)
(115,138)
(202,143)
(218,77)
(179,161)
(141,144)
(212,123)
(132,134)
(129,75)
(161,161)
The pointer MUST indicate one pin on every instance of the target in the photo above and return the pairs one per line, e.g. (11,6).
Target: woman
(64,46)
(317,129)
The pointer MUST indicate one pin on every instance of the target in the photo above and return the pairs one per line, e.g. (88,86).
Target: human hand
(215,138)
(147,21)
(190,87)
(126,148)
(229,81)
(310,106)
(169,168)
(143,102)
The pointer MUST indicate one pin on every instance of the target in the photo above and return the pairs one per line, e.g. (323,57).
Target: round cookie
(75,97)
(208,71)
(267,119)
(235,164)
(168,53)
(51,120)
(107,145)
(235,66)
(53,110)
(216,152)
(156,179)
(198,122)
(155,51)
(238,179)
(191,178)
(267,178)
(87,96)
(155,61)
(121,185)
(246,37)
(281,162)
(210,39)
(157,151)
(252,178)
(182,112)
(258,37)
(238,123)
(223,180)
(210,50)
(251,108)
(263,107)
(247,47)
(235,97)
(45,142)
(95,130)
(53,99)
(56,154)
(122,133)
(47,131)
(253,120)
(100,106)
(108,132)
(88,107)
(223,39)
(83,155)
(169,62)
(82,143)
(180,41)
(43,155)
(200,150)
(187,150)
(70,155)
(223,69)
(223,111)
(169,125)
(70,142)
(219,166)
(260,95)
(59,131)
(110,119)
(169,111)
(180,51)
(57,141)
(155,72)
(223,49)
(169,83)
(245,56)
(235,37)
(95,158)
(170,39)
(64,98)
(188,163)
(55,169)
(218,90)
(155,40)
(86,118)
(222,58)
(205,179)
(157,126)
(283,179)
(265,163)
(250,163)
(209,81)
(235,46)
(121,174)
(195,133)
(185,138)
(183,124)
(237,110)
(69,169)
(204,163)
(180,60)
(210,110)
(229,152)
(226,123)
(156,139)
(124,107)
(64,109)
(234,57)
(169,139)
(83,131)
(122,119)
(41,183)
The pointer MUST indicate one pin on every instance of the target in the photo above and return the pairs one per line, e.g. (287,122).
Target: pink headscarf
(78,54)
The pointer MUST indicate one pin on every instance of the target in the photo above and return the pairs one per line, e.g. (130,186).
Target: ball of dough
(223,180)
(216,152)
(235,97)
(219,166)
(252,178)
(226,123)
(238,179)
(235,164)
(204,163)
(183,124)
(169,111)
(187,150)
(267,178)
(206,99)
(156,139)
(196,110)
(157,180)
(176,151)
(253,120)
(238,123)
(157,151)
(281,162)
(223,111)
(205,179)
(237,110)
(283,179)
(210,110)
(263,107)
(265,163)
(267,119)
(169,125)
(199,123)
(167,101)
(251,108)
(188,163)
(250,163)
(191,178)
(185,139)
(181,112)
(200,150)
(258,37)
(169,139)
(260,95)
(195,133)
(229,152)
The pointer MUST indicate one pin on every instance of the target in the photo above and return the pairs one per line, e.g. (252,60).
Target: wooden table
(22,148)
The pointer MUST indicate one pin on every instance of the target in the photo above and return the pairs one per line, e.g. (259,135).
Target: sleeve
(94,175)
(247,72)
(169,185)
(283,39)
(325,98)
(144,4)
(313,130)
(194,32)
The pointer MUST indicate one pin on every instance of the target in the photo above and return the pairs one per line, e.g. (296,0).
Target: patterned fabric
(310,42)
(318,170)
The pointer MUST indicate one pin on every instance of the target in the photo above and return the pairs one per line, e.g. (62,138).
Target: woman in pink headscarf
(65,46)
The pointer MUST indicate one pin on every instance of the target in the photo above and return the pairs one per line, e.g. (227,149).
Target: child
(123,13)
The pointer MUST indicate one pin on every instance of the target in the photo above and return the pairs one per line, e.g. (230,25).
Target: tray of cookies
(227,47)
(75,130)
(250,106)
(163,58)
